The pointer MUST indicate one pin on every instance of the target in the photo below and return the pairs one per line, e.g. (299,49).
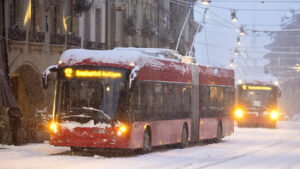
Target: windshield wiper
(80,115)
(97,110)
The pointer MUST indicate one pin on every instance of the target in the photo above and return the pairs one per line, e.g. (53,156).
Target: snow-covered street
(246,148)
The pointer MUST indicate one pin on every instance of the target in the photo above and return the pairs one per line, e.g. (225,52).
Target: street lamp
(233,16)
(242,31)
(205,2)
(236,52)
(238,40)
(297,67)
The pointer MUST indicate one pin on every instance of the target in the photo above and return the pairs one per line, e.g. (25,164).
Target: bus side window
(177,108)
(186,100)
(147,101)
(216,101)
(168,101)
(220,100)
(158,101)
(135,98)
(229,99)
(213,96)
(204,101)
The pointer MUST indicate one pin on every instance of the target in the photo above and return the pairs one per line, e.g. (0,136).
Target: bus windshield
(258,98)
(94,97)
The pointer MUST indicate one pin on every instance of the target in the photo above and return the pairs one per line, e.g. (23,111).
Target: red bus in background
(137,98)
(256,100)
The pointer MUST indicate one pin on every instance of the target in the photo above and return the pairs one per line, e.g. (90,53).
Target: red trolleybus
(257,102)
(129,98)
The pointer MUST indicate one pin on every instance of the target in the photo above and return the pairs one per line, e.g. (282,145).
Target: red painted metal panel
(208,127)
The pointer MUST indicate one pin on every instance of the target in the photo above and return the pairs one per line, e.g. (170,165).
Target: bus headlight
(53,127)
(274,115)
(238,113)
(122,130)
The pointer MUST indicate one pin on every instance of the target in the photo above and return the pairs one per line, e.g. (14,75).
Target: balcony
(94,45)
(57,39)
(38,37)
(73,40)
(131,26)
(17,34)
(100,46)
(149,29)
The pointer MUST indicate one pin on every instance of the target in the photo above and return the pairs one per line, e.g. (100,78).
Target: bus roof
(162,61)
(124,57)
(263,79)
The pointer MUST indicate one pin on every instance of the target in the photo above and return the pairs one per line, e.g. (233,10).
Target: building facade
(39,31)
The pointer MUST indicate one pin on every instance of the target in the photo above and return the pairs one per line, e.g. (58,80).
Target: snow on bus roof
(117,55)
(259,79)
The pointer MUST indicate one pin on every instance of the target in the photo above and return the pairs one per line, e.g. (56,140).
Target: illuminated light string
(251,51)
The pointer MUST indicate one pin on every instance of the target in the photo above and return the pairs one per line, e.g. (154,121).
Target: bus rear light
(274,115)
(238,113)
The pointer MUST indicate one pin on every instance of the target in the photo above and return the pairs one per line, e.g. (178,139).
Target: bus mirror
(133,76)
(45,76)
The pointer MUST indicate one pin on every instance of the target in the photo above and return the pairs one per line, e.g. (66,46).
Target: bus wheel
(76,149)
(272,125)
(219,134)
(147,142)
(184,137)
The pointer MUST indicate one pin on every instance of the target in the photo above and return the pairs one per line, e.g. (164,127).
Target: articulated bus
(256,100)
(138,98)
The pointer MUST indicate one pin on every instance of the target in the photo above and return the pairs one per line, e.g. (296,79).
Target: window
(158,99)
(147,100)
(87,24)
(186,100)
(204,100)
(228,99)
(98,25)
(216,97)
(16,16)
(168,100)
(56,19)
(35,12)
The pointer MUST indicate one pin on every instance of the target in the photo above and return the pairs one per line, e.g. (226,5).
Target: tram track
(190,166)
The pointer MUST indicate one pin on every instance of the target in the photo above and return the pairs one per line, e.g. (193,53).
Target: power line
(239,1)
(249,9)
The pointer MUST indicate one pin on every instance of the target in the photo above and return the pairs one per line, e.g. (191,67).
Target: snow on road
(246,148)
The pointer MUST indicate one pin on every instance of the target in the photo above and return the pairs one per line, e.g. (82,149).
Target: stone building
(38,31)
(285,63)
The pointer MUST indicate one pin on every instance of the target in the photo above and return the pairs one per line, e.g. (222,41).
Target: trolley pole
(179,38)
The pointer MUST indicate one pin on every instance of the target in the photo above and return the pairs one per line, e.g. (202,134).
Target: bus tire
(272,125)
(219,137)
(184,137)
(147,147)
(76,149)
